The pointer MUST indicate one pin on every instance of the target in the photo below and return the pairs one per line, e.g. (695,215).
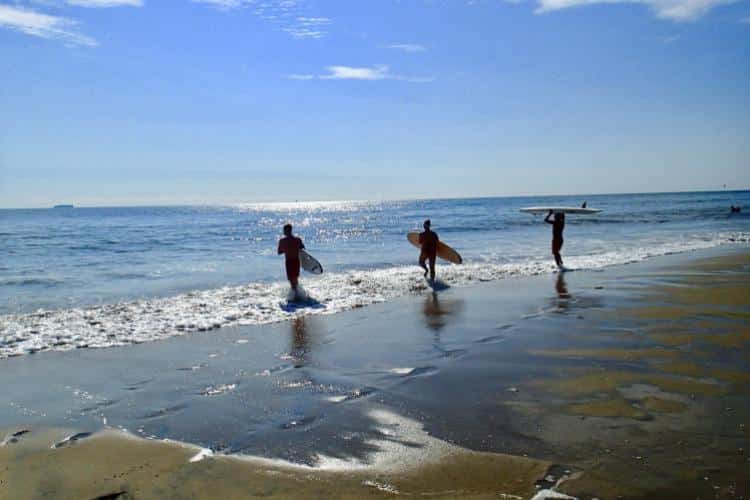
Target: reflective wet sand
(631,382)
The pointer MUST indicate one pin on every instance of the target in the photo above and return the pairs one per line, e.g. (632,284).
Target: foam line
(153,319)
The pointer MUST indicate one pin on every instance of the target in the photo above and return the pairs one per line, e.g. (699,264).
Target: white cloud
(105,3)
(406,47)
(675,10)
(377,72)
(41,25)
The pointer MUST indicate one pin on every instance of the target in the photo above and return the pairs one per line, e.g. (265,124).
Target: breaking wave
(146,320)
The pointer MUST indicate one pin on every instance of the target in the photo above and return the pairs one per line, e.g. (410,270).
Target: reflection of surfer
(290,246)
(558,225)
(429,244)
(299,341)
(438,313)
(561,288)
(433,313)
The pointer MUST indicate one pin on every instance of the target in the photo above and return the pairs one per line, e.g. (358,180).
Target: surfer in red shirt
(429,241)
(558,225)
(290,246)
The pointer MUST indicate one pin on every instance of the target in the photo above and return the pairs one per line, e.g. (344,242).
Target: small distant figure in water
(429,241)
(735,210)
(558,225)
(584,204)
(290,246)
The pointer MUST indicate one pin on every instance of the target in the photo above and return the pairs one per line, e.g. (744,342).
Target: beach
(393,249)
(629,381)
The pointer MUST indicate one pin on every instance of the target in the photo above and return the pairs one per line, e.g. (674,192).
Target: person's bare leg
(432,269)
(293,278)
(422,259)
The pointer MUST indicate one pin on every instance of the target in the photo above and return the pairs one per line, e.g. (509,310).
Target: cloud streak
(405,47)
(365,73)
(674,10)
(99,4)
(41,25)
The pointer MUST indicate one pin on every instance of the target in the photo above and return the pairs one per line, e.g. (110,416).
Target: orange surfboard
(444,251)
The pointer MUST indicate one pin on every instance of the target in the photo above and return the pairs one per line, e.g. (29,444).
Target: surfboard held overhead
(443,251)
(563,210)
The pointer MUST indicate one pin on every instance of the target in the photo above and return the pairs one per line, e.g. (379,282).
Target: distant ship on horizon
(63,206)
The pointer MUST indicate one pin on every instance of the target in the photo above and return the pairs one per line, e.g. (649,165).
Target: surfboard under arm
(309,263)
(444,251)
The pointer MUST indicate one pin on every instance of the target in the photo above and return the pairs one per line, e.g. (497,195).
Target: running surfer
(558,225)
(290,246)
(428,239)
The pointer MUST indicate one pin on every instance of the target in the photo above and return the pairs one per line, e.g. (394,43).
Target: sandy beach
(626,382)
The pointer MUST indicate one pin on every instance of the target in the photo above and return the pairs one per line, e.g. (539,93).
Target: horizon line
(441,198)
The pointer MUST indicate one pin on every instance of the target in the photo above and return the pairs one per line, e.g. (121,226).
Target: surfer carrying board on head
(558,225)
(290,246)
(428,240)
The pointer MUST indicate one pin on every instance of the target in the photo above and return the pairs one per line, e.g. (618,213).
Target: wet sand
(630,382)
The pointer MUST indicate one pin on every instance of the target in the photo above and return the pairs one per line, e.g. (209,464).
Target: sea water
(98,277)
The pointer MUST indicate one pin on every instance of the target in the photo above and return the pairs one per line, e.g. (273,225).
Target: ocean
(99,277)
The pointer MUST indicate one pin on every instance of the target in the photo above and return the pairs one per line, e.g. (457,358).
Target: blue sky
(110,102)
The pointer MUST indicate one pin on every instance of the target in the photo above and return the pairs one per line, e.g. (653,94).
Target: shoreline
(153,319)
(561,377)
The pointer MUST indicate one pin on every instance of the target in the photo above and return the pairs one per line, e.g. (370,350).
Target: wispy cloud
(105,3)
(674,10)
(226,4)
(405,47)
(41,25)
(290,16)
(368,73)
(308,27)
(670,38)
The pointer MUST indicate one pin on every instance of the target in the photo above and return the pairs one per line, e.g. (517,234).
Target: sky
(132,102)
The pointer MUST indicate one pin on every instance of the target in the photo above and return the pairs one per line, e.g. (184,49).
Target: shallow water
(113,276)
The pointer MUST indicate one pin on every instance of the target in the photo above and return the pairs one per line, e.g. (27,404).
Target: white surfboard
(309,263)
(563,210)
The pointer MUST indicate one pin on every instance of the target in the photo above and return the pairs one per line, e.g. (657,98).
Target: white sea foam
(202,454)
(407,446)
(219,389)
(401,371)
(260,303)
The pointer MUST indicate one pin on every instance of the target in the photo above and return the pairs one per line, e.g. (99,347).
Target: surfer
(290,246)
(558,225)
(428,240)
